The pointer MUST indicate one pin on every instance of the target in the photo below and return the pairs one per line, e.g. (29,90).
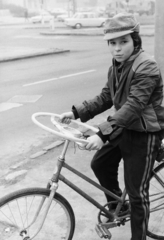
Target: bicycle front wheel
(156,195)
(21,213)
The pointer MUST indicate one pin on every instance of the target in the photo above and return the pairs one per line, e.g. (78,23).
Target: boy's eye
(112,43)
(124,42)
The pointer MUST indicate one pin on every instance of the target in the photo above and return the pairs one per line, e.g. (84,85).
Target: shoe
(107,219)
(125,209)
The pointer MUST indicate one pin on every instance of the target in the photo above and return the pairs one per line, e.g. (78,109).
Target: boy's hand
(95,143)
(66,117)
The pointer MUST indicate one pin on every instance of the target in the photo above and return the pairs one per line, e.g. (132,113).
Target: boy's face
(121,48)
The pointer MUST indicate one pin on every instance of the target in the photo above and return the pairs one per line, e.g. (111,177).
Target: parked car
(85,19)
(62,17)
(45,17)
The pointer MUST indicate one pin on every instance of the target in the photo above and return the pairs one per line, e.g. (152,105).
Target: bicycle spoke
(156,196)
(25,213)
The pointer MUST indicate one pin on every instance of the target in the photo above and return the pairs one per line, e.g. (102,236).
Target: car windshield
(77,15)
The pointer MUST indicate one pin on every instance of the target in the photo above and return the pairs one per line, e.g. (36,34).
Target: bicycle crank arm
(102,231)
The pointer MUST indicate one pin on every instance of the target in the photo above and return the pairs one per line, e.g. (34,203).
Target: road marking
(54,79)
(17,101)
(24,98)
(43,81)
(7,106)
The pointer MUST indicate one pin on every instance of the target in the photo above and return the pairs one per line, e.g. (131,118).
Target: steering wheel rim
(65,136)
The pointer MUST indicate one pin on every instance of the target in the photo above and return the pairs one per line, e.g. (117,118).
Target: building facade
(65,4)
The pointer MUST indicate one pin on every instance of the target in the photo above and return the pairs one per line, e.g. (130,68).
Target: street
(52,83)
(77,68)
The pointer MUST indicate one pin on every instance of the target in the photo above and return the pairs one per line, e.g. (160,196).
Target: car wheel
(78,26)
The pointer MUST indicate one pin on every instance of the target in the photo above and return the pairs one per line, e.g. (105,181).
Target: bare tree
(1,4)
(74,6)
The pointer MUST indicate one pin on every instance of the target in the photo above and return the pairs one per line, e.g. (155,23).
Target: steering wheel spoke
(73,131)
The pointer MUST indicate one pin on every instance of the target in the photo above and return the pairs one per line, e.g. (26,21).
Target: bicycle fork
(53,187)
(23,233)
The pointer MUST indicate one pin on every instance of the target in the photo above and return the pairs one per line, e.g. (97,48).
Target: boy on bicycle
(135,130)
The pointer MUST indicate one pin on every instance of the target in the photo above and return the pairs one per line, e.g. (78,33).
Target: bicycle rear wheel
(156,195)
(18,211)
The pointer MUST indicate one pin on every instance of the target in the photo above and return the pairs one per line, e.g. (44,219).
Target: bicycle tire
(17,211)
(156,195)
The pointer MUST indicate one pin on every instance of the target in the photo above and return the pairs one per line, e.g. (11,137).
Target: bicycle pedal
(102,231)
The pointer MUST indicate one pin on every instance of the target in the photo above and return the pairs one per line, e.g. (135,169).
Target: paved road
(39,83)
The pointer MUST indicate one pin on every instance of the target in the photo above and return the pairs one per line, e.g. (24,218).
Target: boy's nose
(117,47)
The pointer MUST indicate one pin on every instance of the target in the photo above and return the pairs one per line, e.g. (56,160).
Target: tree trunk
(159,34)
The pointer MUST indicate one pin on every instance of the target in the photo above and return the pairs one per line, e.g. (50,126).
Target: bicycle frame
(58,176)
(53,185)
(101,228)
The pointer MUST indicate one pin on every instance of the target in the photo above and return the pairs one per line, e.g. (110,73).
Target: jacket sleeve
(142,86)
(89,109)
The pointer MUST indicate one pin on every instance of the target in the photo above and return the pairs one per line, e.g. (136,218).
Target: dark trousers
(138,151)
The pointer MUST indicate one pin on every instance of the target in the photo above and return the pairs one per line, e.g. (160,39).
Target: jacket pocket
(144,125)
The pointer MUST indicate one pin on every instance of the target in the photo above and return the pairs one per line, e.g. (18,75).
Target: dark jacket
(138,101)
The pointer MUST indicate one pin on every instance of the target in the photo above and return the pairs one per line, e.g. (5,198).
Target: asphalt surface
(37,170)
(59,29)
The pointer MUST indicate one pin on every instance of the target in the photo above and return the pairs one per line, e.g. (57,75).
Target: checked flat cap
(120,25)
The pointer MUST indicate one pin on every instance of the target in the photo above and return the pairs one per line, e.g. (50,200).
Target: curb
(85,34)
(31,55)
(72,33)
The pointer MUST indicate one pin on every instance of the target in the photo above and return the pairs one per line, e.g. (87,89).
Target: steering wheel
(73,131)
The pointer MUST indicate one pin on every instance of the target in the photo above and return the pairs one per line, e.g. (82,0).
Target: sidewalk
(35,168)
(36,171)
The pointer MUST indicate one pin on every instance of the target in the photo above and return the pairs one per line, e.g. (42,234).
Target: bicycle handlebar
(65,132)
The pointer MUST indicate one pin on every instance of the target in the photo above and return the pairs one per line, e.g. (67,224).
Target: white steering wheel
(64,130)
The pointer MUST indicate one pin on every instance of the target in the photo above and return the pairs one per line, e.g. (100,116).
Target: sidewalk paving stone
(14,175)
(53,145)
(38,154)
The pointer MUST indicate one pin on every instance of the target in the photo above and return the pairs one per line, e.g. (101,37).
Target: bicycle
(29,213)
